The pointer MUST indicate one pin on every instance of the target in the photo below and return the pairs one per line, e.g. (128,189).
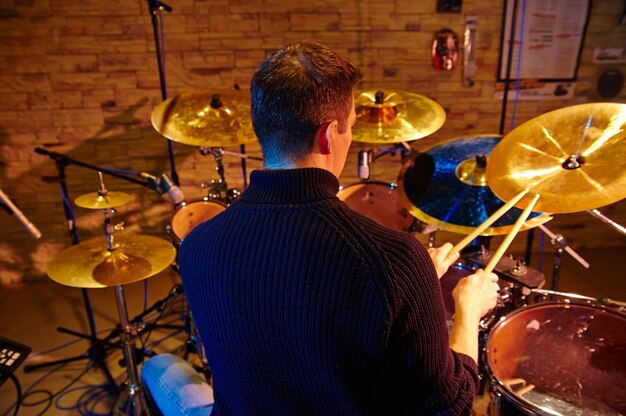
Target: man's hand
(443,257)
(476,294)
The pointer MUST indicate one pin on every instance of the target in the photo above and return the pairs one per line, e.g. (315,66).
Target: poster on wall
(547,40)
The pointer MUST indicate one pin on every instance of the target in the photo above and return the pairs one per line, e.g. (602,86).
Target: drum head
(378,201)
(573,354)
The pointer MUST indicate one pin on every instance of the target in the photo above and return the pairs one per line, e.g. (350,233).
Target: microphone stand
(155,8)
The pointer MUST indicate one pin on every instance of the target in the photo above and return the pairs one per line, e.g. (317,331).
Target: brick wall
(80,77)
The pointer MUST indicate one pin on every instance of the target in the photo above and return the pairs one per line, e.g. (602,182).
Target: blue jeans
(175,387)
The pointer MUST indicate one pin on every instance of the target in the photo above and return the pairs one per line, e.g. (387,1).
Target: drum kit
(568,160)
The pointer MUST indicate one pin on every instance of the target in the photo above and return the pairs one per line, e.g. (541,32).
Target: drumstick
(493,218)
(509,238)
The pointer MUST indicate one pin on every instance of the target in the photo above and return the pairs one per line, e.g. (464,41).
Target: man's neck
(309,161)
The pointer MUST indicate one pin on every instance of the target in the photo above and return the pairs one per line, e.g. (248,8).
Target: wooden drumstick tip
(492,218)
(511,235)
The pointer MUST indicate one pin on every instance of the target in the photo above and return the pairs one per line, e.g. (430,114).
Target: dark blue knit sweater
(306,307)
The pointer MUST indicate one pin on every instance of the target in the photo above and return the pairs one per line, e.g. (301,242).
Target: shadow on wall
(123,142)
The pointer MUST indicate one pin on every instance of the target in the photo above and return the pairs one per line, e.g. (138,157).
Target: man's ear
(327,135)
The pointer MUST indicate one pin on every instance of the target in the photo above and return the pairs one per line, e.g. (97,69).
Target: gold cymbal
(90,264)
(94,200)
(208,118)
(388,116)
(574,158)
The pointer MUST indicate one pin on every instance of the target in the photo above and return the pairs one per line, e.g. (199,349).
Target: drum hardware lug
(519,269)
(119,226)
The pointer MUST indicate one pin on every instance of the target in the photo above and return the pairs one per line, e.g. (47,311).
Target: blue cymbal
(446,187)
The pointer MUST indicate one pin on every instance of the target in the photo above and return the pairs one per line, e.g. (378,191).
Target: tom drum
(378,201)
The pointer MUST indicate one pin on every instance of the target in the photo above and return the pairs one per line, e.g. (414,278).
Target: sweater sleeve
(429,377)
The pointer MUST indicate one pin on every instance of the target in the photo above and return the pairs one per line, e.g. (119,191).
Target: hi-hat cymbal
(446,187)
(208,118)
(90,264)
(574,158)
(94,200)
(388,116)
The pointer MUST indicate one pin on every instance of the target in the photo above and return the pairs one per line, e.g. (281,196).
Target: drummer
(307,307)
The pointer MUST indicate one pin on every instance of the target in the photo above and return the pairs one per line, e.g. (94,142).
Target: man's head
(295,92)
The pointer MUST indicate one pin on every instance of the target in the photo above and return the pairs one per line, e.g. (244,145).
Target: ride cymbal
(208,118)
(446,187)
(388,116)
(90,264)
(94,200)
(574,158)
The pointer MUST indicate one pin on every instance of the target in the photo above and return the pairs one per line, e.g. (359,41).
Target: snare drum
(558,358)
(378,201)
(191,214)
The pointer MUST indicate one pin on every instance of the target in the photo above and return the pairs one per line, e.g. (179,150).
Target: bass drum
(558,359)
(191,214)
(378,201)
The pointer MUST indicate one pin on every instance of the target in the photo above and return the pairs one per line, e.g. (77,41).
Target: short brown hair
(294,91)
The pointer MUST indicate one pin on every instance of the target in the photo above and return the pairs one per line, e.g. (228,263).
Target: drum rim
(187,203)
(391,185)
(496,384)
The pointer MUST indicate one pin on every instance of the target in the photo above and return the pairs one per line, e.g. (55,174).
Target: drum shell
(573,353)
(191,214)
(378,201)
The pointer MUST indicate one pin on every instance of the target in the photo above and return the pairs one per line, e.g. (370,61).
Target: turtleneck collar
(291,186)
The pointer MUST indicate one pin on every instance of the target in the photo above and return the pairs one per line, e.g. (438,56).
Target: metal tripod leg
(131,400)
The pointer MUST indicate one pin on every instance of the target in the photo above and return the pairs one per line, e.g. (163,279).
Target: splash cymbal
(208,118)
(90,264)
(94,200)
(574,158)
(388,116)
(446,187)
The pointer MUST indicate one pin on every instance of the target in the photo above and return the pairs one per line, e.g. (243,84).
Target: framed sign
(551,39)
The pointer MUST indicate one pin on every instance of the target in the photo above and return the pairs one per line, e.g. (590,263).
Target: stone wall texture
(80,77)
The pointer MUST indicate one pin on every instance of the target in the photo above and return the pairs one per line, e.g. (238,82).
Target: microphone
(173,191)
(363,166)
(153,182)
(29,226)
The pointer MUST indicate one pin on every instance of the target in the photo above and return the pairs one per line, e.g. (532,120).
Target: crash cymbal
(90,264)
(446,187)
(574,158)
(94,200)
(209,118)
(388,116)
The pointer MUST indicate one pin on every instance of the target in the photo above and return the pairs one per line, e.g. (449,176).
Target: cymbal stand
(96,353)
(560,244)
(596,213)
(130,400)
(218,188)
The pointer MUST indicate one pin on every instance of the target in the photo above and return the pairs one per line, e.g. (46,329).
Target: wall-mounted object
(445,50)
(469,51)
(449,6)
(547,39)
(610,83)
